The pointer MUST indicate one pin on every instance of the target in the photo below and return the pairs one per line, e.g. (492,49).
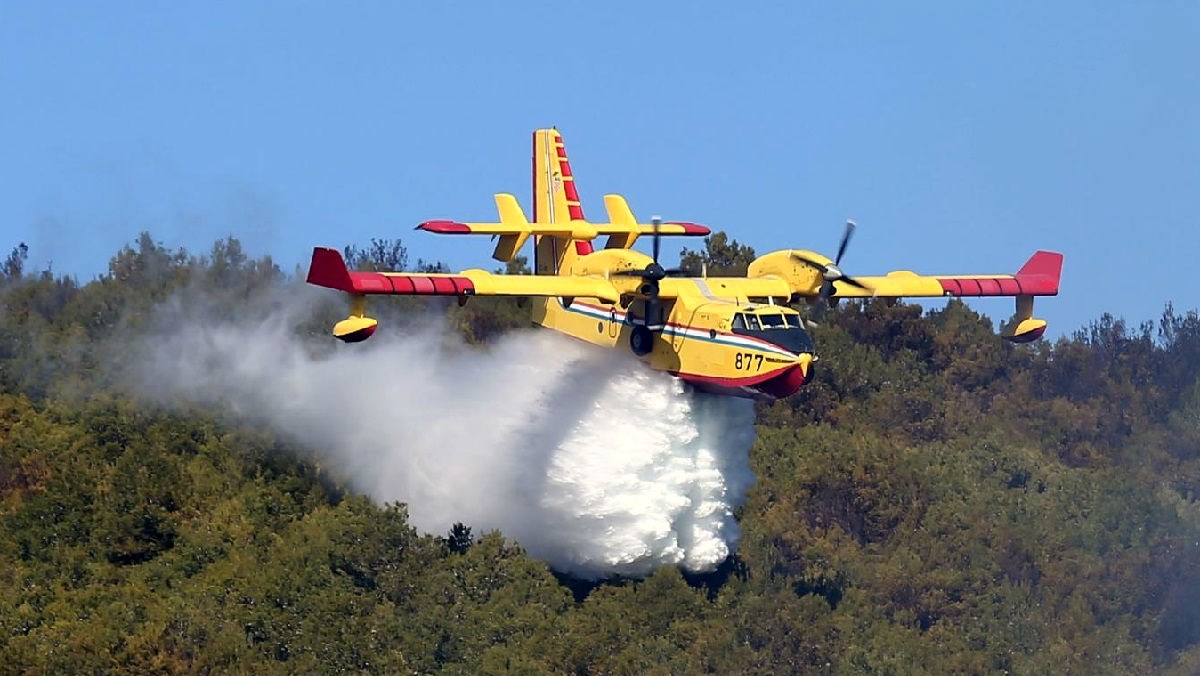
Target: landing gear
(641,341)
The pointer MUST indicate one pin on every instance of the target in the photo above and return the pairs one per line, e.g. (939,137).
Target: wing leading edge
(1038,277)
(328,269)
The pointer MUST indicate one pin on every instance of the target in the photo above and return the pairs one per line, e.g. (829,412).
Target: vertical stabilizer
(555,200)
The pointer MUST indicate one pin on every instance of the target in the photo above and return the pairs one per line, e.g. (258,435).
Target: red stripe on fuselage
(778,384)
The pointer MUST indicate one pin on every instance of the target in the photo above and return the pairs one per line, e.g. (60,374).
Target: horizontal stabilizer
(513,222)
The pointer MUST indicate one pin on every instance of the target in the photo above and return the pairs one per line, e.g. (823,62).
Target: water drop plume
(587,458)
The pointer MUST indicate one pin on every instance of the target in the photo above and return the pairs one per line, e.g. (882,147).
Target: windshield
(747,321)
(784,330)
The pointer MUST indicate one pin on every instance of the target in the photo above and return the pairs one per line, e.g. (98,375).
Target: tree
(15,263)
(381,255)
(721,257)
(459,540)
(935,496)
(151,265)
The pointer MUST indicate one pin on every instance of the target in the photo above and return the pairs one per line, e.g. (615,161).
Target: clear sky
(960,136)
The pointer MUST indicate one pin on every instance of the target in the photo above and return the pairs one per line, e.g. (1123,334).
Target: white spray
(590,460)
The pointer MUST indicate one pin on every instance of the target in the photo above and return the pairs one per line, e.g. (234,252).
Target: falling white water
(590,460)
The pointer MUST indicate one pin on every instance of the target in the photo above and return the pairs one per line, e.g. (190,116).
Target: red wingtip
(445,227)
(329,270)
(1042,271)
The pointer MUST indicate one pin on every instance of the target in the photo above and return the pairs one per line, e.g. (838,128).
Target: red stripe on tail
(575,211)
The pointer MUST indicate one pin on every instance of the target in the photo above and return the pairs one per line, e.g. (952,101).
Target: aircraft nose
(805,360)
(789,379)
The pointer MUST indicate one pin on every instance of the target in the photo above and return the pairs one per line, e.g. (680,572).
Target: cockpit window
(750,321)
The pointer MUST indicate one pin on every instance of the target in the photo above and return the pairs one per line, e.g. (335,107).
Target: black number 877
(745,361)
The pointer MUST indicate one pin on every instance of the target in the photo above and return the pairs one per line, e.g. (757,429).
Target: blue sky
(960,136)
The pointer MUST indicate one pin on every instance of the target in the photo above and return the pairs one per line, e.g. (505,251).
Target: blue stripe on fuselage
(680,331)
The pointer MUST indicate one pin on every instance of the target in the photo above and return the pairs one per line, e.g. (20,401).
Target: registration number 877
(745,361)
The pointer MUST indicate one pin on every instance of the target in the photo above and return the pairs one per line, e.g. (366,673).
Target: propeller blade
(854,282)
(657,222)
(830,272)
(846,234)
(809,262)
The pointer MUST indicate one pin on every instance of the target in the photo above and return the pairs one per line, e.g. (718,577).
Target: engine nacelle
(803,279)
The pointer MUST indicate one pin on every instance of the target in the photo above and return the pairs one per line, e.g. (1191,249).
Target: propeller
(652,274)
(831,272)
(641,338)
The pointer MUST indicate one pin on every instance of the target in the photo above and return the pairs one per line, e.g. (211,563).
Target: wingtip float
(730,335)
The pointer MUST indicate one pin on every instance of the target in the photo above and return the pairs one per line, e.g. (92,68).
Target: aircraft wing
(1038,277)
(329,269)
(733,289)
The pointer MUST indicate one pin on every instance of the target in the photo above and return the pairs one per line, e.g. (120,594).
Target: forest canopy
(937,500)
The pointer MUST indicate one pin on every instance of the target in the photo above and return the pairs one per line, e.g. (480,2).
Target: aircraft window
(793,321)
(752,323)
(739,321)
(773,321)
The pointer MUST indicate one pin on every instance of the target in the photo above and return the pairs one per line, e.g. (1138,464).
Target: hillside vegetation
(937,500)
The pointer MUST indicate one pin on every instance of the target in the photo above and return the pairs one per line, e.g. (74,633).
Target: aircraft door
(677,336)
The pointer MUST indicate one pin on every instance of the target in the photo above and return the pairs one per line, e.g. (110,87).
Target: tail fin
(555,200)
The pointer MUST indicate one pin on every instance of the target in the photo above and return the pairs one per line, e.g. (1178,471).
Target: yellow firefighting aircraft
(731,335)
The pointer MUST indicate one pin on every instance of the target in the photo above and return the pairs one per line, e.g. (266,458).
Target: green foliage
(381,255)
(484,318)
(721,257)
(14,265)
(937,500)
